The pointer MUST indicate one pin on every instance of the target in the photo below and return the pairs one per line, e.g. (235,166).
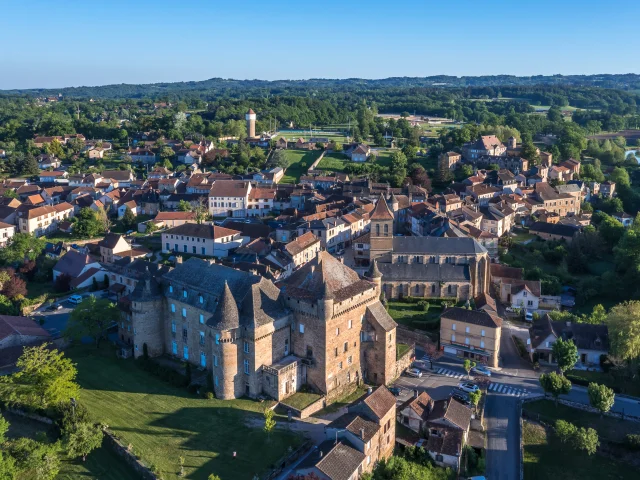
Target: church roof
(381,212)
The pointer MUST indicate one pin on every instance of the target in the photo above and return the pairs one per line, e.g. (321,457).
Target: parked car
(468,387)
(510,309)
(481,370)
(54,306)
(462,397)
(396,391)
(75,299)
(528,316)
(414,372)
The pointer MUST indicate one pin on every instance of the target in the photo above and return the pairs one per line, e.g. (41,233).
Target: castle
(324,327)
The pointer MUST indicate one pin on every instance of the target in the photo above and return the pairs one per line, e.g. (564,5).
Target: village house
(229,198)
(450,160)
(54,177)
(115,247)
(6,233)
(303,248)
(17,333)
(473,334)
(202,239)
(42,220)
(80,268)
(485,145)
(552,231)
(260,202)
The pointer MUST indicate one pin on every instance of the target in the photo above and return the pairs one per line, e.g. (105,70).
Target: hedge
(167,374)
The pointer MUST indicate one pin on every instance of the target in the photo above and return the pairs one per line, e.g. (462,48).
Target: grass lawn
(162,422)
(299,163)
(546,458)
(333,162)
(411,315)
(609,428)
(342,402)
(300,400)
(401,349)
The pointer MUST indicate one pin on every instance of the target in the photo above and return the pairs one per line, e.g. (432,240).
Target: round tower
(375,276)
(327,302)
(251,123)
(227,322)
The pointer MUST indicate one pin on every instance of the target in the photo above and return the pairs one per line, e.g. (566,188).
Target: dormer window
(184,293)
(201,299)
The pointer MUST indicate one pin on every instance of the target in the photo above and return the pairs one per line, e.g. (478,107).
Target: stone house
(202,239)
(450,160)
(554,231)
(592,341)
(473,334)
(229,198)
(112,245)
(303,249)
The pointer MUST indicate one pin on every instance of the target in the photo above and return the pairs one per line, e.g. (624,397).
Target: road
(503,437)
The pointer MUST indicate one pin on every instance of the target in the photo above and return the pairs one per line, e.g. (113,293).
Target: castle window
(377,229)
(448,288)
(346,346)
(184,292)
(466,340)
(453,337)
(350,323)
(466,330)
(203,359)
(349,360)
(337,331)
(184,313)
(386,230)
(336,351)
(174,348)
(348,376)
(217,339)
(340,366)
(170,286)
(201,318)
(433,288)
(246,347)
(246,367)
(201,338)
(301,326)
(201,299)
(185,352)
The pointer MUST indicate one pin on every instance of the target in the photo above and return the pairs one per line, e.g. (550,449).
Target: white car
(528,317)
(414,372)
(75,299)
(468,387)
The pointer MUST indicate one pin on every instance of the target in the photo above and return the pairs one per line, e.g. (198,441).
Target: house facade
(202,239)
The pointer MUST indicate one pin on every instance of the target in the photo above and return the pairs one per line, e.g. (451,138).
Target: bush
(565,431)
(632,441)
(209,396)
(423,305)
(577,379)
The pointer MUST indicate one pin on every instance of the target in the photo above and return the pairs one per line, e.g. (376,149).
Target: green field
(333,162)
(299,163)
(162,422)
(412,315)
(546,458)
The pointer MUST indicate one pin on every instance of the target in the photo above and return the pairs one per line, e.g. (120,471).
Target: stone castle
(324,327)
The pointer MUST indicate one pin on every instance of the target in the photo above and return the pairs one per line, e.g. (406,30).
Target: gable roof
(354,423)
(474,317)
(337,461)
(72,263)
(585,336)
(301,243)
(10,325)
(201,230)
(380,401)
(420,405)
(382,211)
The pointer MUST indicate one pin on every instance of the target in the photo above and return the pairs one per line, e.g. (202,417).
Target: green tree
(44,377)
(565,353)
(184,206)
(474,397)
(213,477)
(555,384)
(269,421)
(30,165)
(4,428)
(620,176)
(623,321)
(279,159)
(92,318)
(88,225)
(601,397)
(586,439)
(8,469)
(23,246)
(83,439)
(565,431)
(128,219)
(37,460)
(468,365)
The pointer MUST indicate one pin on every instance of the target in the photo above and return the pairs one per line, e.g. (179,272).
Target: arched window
(386,229)
(449,289)
(378,229)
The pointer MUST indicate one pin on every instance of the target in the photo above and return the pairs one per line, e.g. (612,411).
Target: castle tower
(512,143)
(251,123)
(382,221)
(327,302)
(375,275)
(227,321)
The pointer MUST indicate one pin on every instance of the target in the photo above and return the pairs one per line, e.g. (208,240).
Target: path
(503,437)
(315,164)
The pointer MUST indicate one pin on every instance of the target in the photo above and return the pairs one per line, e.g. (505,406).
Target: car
(414,372)
(461,397)
(481,370)
(510,309)
(396,391)
(129,232)
(528,317)
(54,306)
(468,387)
(75,299)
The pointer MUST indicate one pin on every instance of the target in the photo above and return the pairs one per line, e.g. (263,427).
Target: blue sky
(70,43)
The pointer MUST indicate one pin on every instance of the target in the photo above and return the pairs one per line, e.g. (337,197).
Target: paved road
(503,437)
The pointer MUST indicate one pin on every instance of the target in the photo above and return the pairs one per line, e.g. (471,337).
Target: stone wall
(308,410)
(413,337)
(114,444)
(405,360)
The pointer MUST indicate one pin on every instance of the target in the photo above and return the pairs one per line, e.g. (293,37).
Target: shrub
(565,431)
(167,374)
(209,396)
(632,441)
(423,305)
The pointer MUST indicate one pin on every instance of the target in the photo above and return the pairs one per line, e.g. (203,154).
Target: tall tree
(565,353)
(623,321)
(23,246)
(88,224)
(128,219)
(44,377)
(83,439)
(92,318)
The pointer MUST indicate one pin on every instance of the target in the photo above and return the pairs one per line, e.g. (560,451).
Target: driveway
(503,437)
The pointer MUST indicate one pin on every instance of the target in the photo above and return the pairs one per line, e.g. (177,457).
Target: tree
(8,469)
(128,219)
(555,384)
(92,317)
(12,285)
(468,365)
(279,159)
(45,377)
(565,431)
(474,397)
(29,166)
(620,176)
(23,246)
(4,428)
(269,421)
(213,477)
(83,439)
(586,439)
(88,225)
(601,397)
(38,460)
(566,354)
(623,321)
(184,206)
(434,353)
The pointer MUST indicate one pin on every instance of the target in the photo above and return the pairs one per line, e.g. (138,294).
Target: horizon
(143,43)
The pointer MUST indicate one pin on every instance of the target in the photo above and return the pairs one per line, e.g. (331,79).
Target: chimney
(416,394)
(369,391)
(362,433)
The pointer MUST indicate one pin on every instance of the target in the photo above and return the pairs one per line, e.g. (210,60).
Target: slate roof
(474,317)
(585,335)
(382,211)
(437,245)
(553,229)
(201,230)
(377,312)
(72,263)
(453,411)
(429,272)
(354,423)
(448,443)
(337,461)
(324,271)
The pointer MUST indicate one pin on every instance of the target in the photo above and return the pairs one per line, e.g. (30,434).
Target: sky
(54,43)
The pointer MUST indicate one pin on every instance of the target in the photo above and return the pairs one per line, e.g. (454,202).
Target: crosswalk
(449,373)
(507,390)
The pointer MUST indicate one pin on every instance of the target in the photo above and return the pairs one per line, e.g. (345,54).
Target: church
(428,267)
